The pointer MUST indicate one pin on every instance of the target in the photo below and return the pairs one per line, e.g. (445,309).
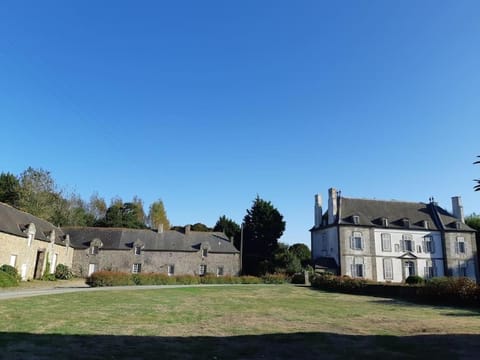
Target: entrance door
(91,269)
(409,268)
(39,264)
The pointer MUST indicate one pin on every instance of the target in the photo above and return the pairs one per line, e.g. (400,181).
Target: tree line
(36,192)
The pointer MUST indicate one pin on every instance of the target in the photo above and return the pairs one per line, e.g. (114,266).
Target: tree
(200,227)
(157,215)
(263,227)
(9,189)
(473,221)
(127,215)
(477,187)
(302,252)
(285,261)
(97,207)
(39,195)
(229,228)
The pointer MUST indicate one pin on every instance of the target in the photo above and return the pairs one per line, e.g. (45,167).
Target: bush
(7,280)
(338,283)
(63,272)
(275,279)
(414,280)
(10,270)
(449,290)
(250,280)
(109,278)
(298,278)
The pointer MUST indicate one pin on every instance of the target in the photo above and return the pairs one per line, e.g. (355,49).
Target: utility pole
(241,249)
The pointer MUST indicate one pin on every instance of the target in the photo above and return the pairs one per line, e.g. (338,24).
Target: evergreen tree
(229,228)
(9,189)
(264,225)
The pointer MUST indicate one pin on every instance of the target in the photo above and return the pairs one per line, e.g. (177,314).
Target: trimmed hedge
(437,291)
(12,271)
(113,278)
(7,280)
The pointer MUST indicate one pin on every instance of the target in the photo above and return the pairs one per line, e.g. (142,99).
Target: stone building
(387,241)
(170,252)
(28,243)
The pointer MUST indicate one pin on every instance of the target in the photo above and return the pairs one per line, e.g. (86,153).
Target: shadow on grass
(316,345)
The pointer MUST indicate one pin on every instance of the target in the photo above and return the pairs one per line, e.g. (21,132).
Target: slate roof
(15,222)
(171,240)
(371,213)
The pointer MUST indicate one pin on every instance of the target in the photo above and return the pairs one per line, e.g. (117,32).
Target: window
(386,242)
(419,249)
(138,250)
(406,223)
(407,243)
(220,271)
(204,252)
(460,245)
(171,270)
(428,244)
(357,267)
(388,269)
(409,268)
(429,270)
(385,222)
(356,219)
(202,270)
(136,268)
(94,250)
(425,224)
(462,268)
(13,260)
(356,242)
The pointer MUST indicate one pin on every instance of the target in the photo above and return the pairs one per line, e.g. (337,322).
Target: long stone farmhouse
(388,241)
(29,243)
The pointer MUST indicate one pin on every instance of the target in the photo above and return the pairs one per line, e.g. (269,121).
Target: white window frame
(407,239)
(429,245)
(202,270)
(430,270)
(94,250)
(356,219)
(460,246)
(386,242)
(356,241)
(13,260)
(136,268)
(358,267)
(388,269)
(462,268)
(220,270)
(137,250)
(204,252)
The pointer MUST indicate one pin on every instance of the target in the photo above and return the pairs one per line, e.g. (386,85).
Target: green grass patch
(234,322)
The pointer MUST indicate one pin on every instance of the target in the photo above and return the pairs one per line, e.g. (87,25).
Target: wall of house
(456,260)
(155,261)
(324,243)
(26,256)
(350,257)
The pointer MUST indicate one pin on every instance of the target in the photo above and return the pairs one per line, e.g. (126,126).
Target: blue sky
(206,104)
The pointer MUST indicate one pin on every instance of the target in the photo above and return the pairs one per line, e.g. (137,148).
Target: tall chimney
(318,210)
(332,205)
(187,229)
(160,228)
(457,208)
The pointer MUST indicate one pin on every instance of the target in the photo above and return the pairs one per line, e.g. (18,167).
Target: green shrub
(109,278)
(414,280)
(275,279)
(450,290)
(187,279)
(63,272)
(298,278)
(338,283)
(10,270)
(7,280)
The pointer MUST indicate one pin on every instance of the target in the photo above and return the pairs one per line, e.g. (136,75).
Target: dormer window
(425,224)
(94,250)
(137,250)
(384,222)
(406,223)
(458,225)
(356,219)
(204,252)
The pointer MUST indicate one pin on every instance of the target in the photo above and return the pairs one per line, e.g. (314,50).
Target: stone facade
(387,241)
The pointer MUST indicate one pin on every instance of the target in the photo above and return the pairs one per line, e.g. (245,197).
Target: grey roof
(15,222)
(371,213)
(124,239)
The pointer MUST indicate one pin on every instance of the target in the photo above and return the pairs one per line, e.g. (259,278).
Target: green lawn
(232,322)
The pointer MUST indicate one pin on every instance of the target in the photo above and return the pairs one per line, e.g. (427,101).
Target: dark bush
(63,272)
(7,280)
(414,280)
(298,278)
(10,270)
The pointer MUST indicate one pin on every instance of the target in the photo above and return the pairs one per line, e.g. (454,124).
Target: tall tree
(229,228)
(157,215)
(264,225)
(39,195)
(97,206)
(9,189)
(200,227)
(128,215)
(285,261)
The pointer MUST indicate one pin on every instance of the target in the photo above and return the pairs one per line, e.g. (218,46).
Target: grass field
(232,322)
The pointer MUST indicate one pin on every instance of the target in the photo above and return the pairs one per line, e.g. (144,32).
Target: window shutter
(402,244)
(352,240)
(432,245)
(352,270)
(456,247)
(424,244)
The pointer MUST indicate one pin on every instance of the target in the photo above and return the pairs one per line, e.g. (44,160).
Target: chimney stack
(160,228)
(332,205)
(187,229)
(457,208)
(318,210)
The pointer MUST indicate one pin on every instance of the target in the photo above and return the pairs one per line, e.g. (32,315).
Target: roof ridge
(382,200)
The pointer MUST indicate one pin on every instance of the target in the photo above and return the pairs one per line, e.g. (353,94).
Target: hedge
(436,291)
(7,280)
(113,278)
